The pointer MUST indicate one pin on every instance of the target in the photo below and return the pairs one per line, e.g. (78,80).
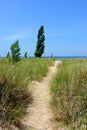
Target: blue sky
(65,26)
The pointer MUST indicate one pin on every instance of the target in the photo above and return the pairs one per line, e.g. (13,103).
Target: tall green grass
(69,94)
(15,94)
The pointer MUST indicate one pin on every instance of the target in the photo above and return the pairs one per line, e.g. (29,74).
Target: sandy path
(40,114)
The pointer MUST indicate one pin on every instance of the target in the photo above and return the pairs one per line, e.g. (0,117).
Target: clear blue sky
(65,24)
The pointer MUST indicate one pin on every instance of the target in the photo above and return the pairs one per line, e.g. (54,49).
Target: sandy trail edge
(40,114)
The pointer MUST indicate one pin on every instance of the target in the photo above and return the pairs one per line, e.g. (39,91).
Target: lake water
(67,57)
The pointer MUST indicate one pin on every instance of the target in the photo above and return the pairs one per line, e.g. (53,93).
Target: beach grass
(69,94)
(15,94)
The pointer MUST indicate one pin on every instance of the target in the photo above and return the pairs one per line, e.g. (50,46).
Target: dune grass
(69,94)
(15,94)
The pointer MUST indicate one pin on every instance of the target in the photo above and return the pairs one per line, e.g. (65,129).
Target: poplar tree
(40,42)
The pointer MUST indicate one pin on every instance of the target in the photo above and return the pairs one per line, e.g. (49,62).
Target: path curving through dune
(40,114)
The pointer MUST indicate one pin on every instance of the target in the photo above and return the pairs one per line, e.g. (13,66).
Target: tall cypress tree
(40,42)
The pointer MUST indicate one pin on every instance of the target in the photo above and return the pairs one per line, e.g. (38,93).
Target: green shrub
(69,94)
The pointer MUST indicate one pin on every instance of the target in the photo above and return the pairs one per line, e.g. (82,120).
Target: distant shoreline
(67,57)
(59,57)
(70,57)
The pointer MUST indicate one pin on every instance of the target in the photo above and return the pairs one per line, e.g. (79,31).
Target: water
(60,57)
(66,57)
(70,57)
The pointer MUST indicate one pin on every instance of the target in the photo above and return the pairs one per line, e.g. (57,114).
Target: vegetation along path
(40,114)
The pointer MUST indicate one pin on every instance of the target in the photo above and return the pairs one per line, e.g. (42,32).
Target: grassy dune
(69,94)
(15,95)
